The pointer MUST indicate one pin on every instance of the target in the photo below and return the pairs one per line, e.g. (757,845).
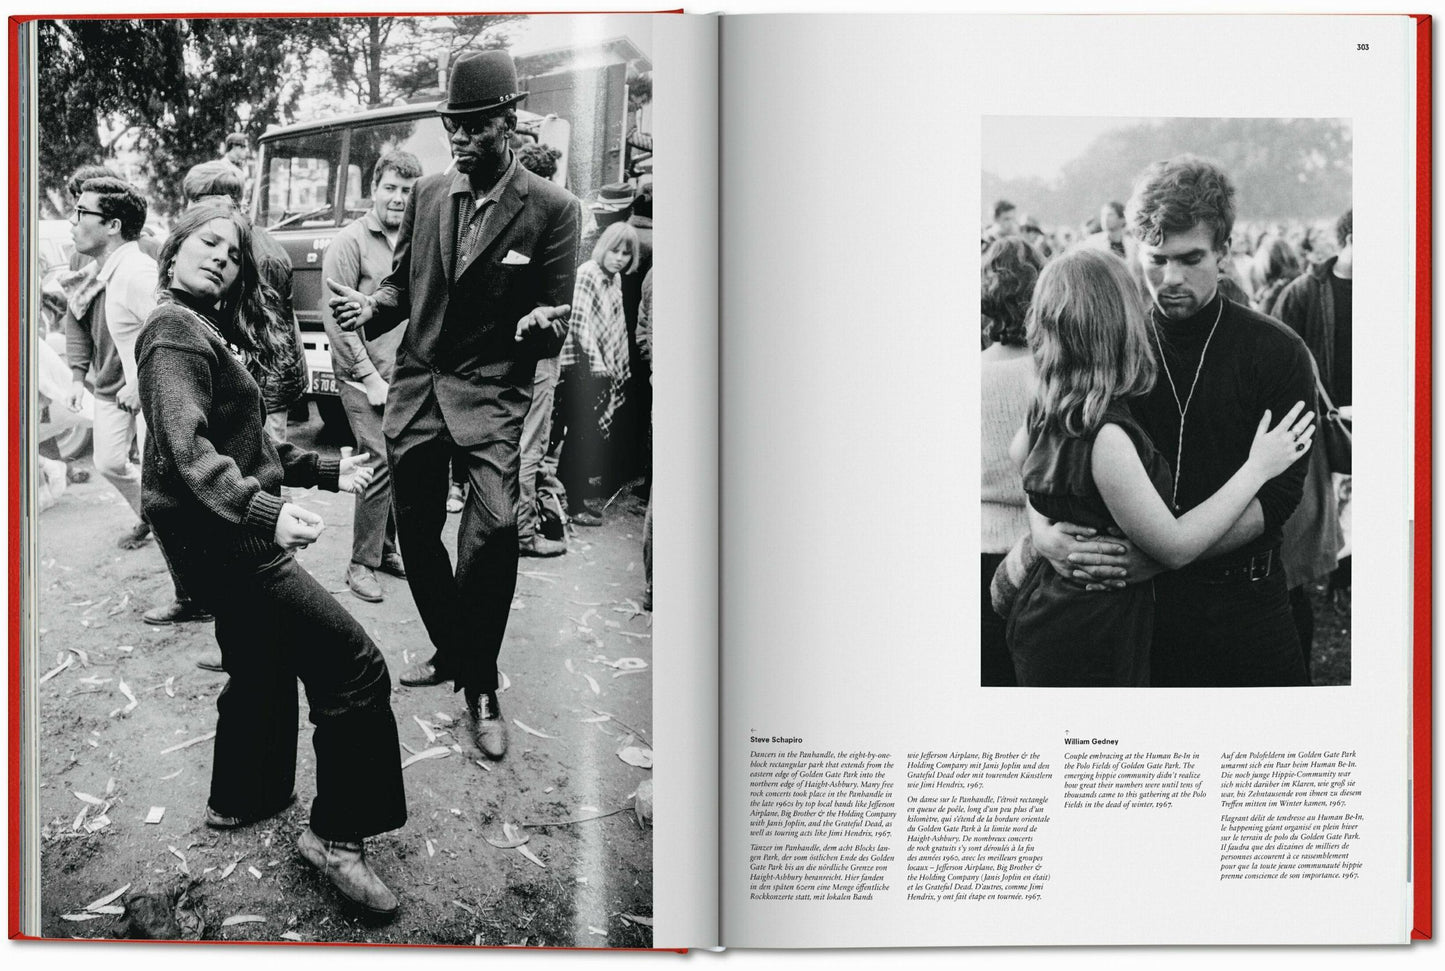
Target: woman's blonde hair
(1088,330)
(618,232)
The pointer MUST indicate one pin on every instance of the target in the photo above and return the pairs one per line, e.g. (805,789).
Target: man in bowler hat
(484,267)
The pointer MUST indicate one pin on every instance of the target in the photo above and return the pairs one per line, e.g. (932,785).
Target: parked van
(315,177)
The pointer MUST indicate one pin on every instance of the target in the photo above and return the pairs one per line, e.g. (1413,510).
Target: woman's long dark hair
(246,313)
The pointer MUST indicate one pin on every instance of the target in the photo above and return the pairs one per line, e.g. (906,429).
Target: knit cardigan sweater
(211,477)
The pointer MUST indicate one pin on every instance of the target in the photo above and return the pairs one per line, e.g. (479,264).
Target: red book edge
(13,627)
(1423,775)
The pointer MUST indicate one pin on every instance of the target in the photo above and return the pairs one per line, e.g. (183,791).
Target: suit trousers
(373,524)
(465,612)
(275,624)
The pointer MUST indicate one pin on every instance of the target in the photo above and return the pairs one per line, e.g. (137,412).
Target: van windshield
(298,183)
(423,137)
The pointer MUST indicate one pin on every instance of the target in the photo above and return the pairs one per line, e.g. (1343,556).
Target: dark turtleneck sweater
(211,477)
(1253,363)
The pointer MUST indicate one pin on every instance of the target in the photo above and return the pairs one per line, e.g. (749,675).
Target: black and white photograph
(342,528)
(1166,414)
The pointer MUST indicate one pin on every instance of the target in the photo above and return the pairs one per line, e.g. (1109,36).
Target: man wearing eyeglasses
(106,223)
(484,268)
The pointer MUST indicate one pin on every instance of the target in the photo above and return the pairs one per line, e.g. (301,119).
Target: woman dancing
(211,484)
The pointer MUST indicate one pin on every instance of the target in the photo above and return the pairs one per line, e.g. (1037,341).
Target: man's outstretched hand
(351,308)
(552,320)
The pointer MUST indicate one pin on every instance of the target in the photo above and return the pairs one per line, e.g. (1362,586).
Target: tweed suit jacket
(459,349)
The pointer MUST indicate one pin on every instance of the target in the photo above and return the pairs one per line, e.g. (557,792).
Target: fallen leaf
(102,901)
(634,918)
(592,683)
(81,917)
(640,757)
(154,816)
(56,670)
(80,819)
(171,686)
(431,849)
(623,674)
(431,736)
(110,786)
(531,731)
(188,743)
(504,682)
(167,778)
(95,680)
(86,797)
(177,853)
(570,668)
(531,856)
(508,842)
(254,872)
(629,664)
(292,936)
(84,657)
(113,910)
(470,910)
(628,633)
(439,752)
(596,930)
(596,718)
(442,718)
(230,868)
(125,648)
(243,919)
(97,823)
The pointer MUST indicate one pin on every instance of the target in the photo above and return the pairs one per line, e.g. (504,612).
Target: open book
(757,692)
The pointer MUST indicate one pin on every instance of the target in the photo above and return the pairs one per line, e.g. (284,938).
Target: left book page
(308,437)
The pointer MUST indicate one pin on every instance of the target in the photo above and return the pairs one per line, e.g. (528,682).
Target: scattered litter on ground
(439,752)
(530,730)
(188,743)
(155,815)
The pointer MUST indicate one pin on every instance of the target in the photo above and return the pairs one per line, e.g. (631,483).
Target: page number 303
(1362,47)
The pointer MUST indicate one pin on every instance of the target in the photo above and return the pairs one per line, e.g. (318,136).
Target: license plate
(323,382)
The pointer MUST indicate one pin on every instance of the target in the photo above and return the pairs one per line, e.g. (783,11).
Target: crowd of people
(491,342)
(1157,393)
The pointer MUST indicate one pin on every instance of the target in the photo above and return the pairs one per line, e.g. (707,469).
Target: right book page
(935,228)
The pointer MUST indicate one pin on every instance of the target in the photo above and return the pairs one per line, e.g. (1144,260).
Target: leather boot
(344,864)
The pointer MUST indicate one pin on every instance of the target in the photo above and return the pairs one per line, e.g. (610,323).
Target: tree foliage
(1283,168)
(172,88)
(377,60)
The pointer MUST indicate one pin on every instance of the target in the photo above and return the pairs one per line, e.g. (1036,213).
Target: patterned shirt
(597,339)
(473,213)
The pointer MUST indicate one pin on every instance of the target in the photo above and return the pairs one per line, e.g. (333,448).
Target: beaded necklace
(1184,405)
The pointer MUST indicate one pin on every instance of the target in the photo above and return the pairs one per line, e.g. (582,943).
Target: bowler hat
(482,81)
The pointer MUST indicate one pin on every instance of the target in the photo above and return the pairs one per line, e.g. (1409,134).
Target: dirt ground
(107,765)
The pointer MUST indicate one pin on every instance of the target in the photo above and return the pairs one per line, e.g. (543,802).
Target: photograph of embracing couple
(1166,402)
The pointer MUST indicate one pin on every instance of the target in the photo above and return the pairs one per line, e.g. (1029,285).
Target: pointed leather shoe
(344,864)
(485,726)
(393,563)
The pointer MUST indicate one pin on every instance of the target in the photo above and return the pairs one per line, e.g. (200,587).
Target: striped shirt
(473,212)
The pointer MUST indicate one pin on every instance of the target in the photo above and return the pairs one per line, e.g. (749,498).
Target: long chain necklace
(1184,405)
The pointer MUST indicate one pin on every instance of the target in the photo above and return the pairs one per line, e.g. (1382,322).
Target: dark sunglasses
(473,125)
